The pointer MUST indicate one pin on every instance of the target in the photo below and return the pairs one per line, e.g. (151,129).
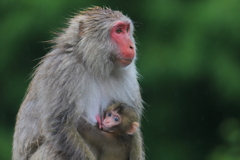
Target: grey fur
(77,79)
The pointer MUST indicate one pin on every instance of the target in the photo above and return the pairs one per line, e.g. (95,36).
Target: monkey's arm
(137,148)
(65,138)
(91,133)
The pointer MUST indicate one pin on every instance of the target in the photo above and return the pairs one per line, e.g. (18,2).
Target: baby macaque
(112,136)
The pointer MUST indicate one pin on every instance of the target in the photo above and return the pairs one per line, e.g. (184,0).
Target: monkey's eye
(119,30)
(127,29)
(109,114)
(116,119)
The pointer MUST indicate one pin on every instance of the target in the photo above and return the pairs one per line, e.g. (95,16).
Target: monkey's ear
(134,127)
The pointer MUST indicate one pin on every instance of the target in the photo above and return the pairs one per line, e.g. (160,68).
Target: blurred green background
(188,56)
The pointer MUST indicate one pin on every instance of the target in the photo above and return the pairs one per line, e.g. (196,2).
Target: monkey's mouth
(106,129)
(125,62)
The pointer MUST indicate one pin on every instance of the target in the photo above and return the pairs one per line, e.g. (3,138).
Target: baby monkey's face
(111,119)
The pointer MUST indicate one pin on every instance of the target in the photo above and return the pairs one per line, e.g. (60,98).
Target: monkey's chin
(125,62)
(106,129)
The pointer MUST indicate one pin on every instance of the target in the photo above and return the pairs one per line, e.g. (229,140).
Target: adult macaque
(92,63)
(112,142)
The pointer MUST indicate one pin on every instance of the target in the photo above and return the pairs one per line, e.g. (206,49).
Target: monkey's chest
(97,97)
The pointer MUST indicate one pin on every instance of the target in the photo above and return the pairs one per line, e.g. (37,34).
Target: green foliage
(188,56)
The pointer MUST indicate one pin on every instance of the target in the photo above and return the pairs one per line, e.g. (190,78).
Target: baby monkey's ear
(134,127)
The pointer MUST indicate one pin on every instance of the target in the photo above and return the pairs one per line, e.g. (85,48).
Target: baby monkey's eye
(116,119)
(109,114)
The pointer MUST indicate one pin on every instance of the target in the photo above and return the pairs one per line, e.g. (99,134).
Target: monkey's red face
(111,119)
(120,33)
